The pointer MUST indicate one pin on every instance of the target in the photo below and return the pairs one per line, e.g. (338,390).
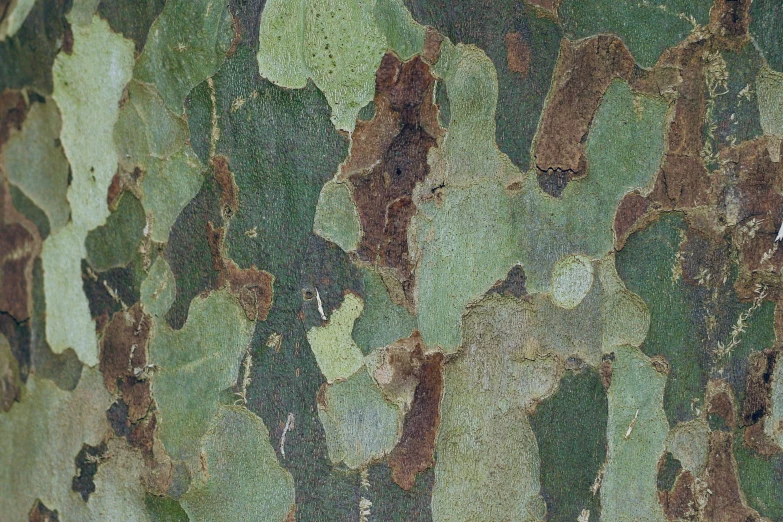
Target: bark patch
(584,72)
(415,451)
(388,158)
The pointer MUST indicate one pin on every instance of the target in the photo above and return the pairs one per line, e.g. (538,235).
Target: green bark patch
(648,265)
(26,57)
(636,431)
(766,26)
(113,245)
(151,141)
(523,47)
(337,43)
(131,18)
(187,44)
(382,322)
(190,253)
(359,423)
(646,28)
(334,349)
(570,427)
(39,439)
(624,149)
(89,112)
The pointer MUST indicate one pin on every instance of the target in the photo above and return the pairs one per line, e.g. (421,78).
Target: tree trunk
(391,260)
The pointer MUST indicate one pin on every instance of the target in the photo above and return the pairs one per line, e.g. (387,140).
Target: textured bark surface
(391,260)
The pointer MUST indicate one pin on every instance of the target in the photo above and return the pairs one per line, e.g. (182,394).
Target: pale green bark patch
(636,431)
(196,364)
(244,480)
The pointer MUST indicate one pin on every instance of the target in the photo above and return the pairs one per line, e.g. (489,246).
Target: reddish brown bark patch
(388,158)
(229,192)
(431,50)
(123,361)
(678,503)
(416,450)
(20,245)
(121,181)
(683,181)
(755,438)
(13,111)
(41,513)
(729,21)
(724,501)
(123,348)
(518,54)
(628,218)
(252,286)
(722,405)
(584,72)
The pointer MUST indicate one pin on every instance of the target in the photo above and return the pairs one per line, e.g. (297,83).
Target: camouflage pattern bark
(391,260)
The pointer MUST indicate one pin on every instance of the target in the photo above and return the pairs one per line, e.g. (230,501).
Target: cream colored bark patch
(572,278)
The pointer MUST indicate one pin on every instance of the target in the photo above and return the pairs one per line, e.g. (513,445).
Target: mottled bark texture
(391,260)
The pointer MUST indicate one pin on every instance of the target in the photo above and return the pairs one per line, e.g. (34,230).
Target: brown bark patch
(518,54)
(705,261)
(229,192)
(722,405)
(729,21)
(683,181)
(415,451)
(252,286)
(431,50)
(20,245)
(388,158)
(753,203)
(584,72)
(121,181)
(41,513)
(761,366)
(724,499)
(13,111)
(628,217)
(677,503)
(123,348)
(755,438)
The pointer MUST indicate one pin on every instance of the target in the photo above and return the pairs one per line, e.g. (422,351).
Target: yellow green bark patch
(337,354)
(488,461)
(769,92)
(159,289)
(336,216)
